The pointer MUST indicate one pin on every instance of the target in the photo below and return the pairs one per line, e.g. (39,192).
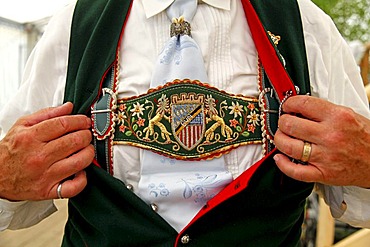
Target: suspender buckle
(261,101)
(112,95)
(103,114)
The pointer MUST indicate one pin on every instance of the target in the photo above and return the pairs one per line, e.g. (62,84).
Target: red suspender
(269,56)
(283,86)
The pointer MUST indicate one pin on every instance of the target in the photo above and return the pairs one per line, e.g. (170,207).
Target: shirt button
(154,207)
(130,187)
(185,239)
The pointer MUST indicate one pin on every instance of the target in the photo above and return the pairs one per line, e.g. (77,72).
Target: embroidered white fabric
(179,189)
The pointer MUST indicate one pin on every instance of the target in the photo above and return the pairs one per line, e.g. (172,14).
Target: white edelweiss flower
(236,109)
(253,118)
(137,110)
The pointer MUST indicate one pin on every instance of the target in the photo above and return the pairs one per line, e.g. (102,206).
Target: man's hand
(340,141)
(43,149)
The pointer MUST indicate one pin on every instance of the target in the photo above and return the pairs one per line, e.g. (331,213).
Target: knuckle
(306,100)
(82,138)
(278,138)
(285,124)
(345,114)
(79,165)
(91,152)
(63,123)
(334,137)
(19,135)
(283,145)
(23,121)
(19,138)
(36,158)
(292,102)
(82,162)
(41,191)
(296,152)
(83,159)
(76,188)
(287,149)
(77,139)
(87,136)
(73,191)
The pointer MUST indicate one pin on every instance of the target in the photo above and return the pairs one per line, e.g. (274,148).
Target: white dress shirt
(220,29)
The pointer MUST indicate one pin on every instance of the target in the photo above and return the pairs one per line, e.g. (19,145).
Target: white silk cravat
(178,189)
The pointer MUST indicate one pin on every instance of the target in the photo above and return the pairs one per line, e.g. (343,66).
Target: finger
(56,127)
(67,145)
(305,173)
(292,147)
(310,107)
(73,164)
(301,128)
(70,188)
(46,113)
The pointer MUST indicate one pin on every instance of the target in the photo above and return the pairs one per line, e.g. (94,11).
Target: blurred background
(22,23)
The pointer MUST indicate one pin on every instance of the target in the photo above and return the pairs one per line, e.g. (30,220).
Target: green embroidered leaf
(128,133)
(128,108)
(241,120)
(135,127)
(238,128)
(132,120)
(245,133)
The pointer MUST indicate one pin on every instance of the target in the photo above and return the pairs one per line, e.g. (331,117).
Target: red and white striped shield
(188,124)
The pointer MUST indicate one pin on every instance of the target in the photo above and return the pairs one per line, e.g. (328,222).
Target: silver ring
(59,191)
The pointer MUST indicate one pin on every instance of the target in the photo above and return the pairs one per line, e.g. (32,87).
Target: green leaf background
(352,17)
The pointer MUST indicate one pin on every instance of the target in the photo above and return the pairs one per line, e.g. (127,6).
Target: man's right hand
(42,150)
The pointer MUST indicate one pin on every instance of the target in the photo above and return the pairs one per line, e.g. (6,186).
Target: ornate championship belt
(187,119)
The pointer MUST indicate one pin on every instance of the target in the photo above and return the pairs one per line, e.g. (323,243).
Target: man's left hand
(339,138)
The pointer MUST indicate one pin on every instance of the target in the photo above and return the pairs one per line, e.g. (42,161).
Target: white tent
(21,24)
(26,11)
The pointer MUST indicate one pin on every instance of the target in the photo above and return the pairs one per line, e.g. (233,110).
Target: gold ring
(306,152)
(59,191)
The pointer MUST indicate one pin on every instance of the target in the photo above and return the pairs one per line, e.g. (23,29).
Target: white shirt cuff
(22,214)
(357,212)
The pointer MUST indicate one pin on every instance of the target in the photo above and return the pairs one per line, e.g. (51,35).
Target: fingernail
(276,158)
(64,104)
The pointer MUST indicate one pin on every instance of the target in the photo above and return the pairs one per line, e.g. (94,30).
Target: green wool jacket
(261,208)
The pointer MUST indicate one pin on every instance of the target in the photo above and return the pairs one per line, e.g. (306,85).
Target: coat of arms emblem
(188,119)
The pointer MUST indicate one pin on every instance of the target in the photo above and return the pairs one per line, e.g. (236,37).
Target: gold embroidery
(188,120)
(275,38)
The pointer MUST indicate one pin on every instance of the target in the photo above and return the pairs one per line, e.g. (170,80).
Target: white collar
(153,7)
